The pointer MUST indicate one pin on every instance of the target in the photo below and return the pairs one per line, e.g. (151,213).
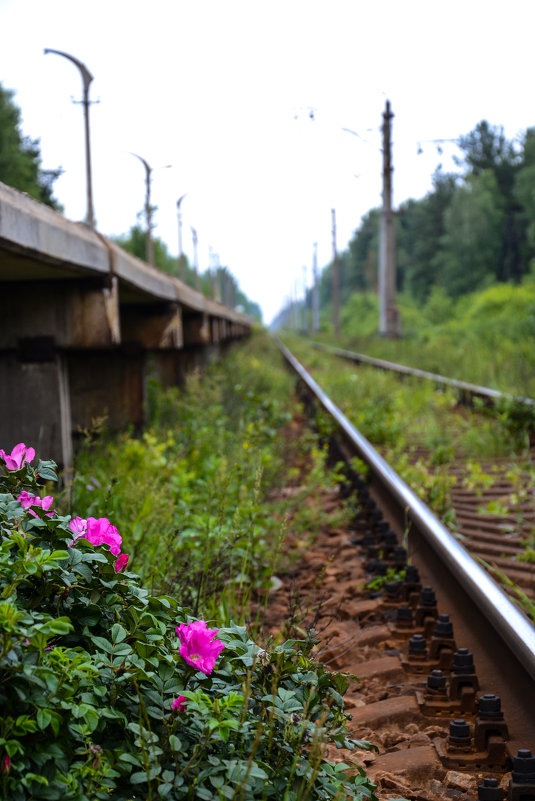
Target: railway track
(443,649)
(466,389)
(494,501)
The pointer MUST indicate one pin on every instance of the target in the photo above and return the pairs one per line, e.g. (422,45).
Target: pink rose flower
(28,500)
(5,765)
(121,562)
(101,532)
(98,532)
(19,456)
(179,704)
(78,525)
(198,647)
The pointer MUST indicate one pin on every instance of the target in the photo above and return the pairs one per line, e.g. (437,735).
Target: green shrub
(90,668)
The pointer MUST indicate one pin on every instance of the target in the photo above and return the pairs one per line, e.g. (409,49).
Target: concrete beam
(80,313)
(31,228)
(37,243)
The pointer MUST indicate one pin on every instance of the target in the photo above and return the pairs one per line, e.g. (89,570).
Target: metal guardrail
(511,625)
(463,386)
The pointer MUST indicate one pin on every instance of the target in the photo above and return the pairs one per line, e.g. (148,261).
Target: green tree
(420,226)
(20,157)
(487,149)
(364,251)
(524,191)
(471,247)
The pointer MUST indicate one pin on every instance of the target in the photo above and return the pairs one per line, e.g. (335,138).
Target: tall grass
(191,493)
(484,338)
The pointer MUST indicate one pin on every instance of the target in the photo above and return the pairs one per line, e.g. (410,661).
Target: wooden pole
(315,292)
(336,279)
(389,323)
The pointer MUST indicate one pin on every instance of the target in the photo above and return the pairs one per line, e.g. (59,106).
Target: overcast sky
(247,101)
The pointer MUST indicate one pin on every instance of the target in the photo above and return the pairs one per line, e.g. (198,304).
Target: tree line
(472,229)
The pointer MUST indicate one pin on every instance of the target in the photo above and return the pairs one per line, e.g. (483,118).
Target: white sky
(220,90)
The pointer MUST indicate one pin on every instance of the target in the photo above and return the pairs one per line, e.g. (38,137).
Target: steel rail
(513,628)
(464,386)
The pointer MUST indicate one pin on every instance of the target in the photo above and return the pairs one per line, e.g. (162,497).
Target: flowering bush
(101,698)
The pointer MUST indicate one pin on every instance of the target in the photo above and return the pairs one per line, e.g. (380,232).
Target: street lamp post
(181,260)
(195,259)
(86,79)
(148,210)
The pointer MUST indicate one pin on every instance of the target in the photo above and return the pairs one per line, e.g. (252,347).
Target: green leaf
(118,633)
(138,777)
(102,644)
(141,775)
(47,473)
(55,722)
(59,555)
(61,625)
(35,777)
(127,757)
(122,649)
(91,718)
(84,571)
(43,718)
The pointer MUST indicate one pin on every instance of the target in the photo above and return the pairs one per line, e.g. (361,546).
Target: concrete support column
(196,329)
(35,403)
(166,367)
(107,386)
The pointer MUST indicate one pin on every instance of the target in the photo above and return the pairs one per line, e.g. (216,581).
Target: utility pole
(389,322)
(315,291)
(306,321)
(336,279)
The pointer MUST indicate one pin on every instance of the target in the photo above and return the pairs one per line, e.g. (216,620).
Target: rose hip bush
(107,691)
